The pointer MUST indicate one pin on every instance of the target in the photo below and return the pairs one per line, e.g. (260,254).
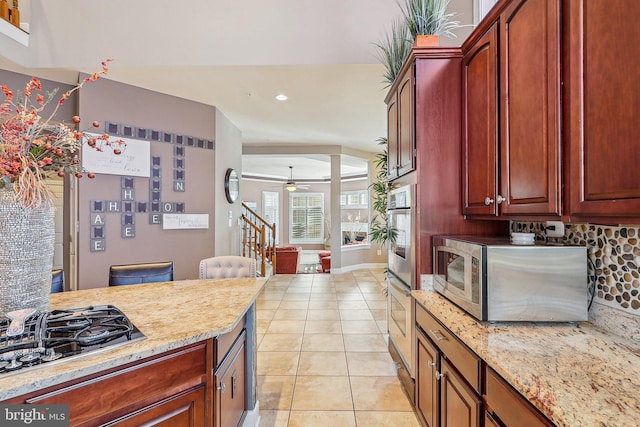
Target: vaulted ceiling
(235,55)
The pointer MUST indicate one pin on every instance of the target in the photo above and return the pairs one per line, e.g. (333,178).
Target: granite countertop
(575,374)
(170,314)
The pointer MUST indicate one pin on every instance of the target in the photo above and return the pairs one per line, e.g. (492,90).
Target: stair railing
(258,239)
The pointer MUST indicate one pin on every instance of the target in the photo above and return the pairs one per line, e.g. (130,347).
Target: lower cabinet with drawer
(448,376)
(455,388)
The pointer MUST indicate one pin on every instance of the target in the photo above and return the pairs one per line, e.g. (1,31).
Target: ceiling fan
(291,185)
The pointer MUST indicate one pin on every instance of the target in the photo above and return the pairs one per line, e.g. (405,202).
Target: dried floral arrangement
(32,146)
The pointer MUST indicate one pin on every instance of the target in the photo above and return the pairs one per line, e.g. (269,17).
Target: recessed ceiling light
(282,97)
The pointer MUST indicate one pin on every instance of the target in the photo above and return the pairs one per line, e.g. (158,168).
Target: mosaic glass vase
(26,254)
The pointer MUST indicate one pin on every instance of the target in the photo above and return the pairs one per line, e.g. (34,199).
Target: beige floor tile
(351,296)
(322,363)
(285,314)
(378,394)
(299,289)
(322,419)
(294,305)
(374,296)
(324,288)
(365,343)
(375,304)
(315,305)
(379,314)
(359,327)
(262,304)
(353,305)
(281,342)
(262,326)
(296,297)
(322,393)
(286,327)
(386,419)
(327,296)
(323,342)
(346,314)
(265,314)
(323,327)
(273,418)
(275,392)
(272,294)
(277,362)
(370,364)
(383,325)
(327,314)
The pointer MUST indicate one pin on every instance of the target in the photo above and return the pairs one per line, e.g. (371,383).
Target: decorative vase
(26,254)
(426,40)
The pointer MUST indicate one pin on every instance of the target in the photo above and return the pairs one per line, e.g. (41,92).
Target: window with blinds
(271,209)
(307,220)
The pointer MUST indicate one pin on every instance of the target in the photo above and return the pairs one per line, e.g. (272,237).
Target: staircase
(258,241)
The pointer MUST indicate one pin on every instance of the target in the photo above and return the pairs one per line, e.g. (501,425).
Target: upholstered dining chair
(57,281)
(220,267)
(133,274)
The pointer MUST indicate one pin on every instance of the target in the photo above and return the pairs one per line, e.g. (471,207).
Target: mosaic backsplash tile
(615,253)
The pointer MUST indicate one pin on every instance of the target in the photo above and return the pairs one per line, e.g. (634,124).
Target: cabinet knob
(439,375)
(222,387)
(431,364)
(500,199)
(488,201)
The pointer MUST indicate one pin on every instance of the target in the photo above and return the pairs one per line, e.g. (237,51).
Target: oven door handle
(402,288)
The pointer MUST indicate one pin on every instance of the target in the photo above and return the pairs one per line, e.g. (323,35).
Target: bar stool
(133,274)
(228,266)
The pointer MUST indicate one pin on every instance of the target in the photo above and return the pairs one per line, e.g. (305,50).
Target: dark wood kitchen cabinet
(448,376)
(229,381)
(400,125)
(601,106)
(174,387)
(511,114)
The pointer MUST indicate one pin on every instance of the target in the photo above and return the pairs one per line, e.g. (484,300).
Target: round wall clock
(231,185)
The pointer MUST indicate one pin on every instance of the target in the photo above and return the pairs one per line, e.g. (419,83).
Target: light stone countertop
(170,314)
(575,374)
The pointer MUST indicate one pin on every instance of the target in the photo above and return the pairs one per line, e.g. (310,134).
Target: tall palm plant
(393,49)
(381,231)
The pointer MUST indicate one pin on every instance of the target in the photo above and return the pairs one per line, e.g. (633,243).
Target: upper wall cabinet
(400,125)
(602,104)
(512,159)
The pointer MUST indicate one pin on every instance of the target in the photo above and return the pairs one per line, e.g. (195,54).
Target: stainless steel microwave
(495,280)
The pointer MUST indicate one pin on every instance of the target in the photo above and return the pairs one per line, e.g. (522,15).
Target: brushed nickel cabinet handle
(431,364)
(222,387)
(437,334)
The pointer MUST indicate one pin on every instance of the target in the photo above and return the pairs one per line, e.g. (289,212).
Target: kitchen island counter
(576,374)
(170,314)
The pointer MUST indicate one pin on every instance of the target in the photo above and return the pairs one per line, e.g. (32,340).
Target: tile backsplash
(615,254)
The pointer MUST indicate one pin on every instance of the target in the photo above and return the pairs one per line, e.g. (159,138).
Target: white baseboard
(354,267)
(252,418)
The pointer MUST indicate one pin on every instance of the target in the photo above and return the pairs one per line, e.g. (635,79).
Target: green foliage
(381,232)
(393,50)
(428,17)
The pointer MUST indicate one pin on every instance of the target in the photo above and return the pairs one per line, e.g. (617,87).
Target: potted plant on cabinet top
(426,20)
(393,50)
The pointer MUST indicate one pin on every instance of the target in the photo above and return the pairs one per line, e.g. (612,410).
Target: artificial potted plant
(394,49)
(381,231)
(427,20)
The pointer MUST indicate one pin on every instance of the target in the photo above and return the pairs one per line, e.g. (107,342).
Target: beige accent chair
(221,267)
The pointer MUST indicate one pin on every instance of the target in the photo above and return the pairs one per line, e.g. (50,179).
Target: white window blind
(271,209)
(307,220)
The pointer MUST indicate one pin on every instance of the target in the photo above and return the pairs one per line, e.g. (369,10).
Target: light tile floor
(322,353)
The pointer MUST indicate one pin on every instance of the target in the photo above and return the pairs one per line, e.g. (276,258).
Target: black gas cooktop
(60,334)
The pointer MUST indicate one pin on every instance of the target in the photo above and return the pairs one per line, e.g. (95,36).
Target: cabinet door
(530,108)
(427,391)
(230,382)
(186,409)
(602,75)
(392,139)
(460,406)
(406,131)
(479,121)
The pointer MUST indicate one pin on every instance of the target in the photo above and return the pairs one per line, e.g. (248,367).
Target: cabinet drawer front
(509,405)
(225,341)
(460,356)
(127,389)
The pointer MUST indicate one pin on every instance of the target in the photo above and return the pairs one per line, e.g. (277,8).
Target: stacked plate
(522,238)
